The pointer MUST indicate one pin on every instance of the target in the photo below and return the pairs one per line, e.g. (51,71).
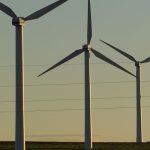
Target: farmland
(76,146)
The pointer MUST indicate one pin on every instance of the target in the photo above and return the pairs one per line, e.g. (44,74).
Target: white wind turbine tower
(87,49)
(138,90)
(19,22)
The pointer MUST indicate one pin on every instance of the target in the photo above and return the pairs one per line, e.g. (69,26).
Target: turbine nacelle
(18,21)
(87,47)
(137,64)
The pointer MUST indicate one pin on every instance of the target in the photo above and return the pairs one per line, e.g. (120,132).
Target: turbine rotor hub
(137,64)
(87,47)
(19,21)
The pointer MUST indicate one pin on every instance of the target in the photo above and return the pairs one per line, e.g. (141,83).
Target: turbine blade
(89,27)
(145,60)
(121,52)
(44,10)
(72,55)
(7,10)
(106,59)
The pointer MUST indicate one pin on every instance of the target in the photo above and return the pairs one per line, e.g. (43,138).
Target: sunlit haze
(54,102)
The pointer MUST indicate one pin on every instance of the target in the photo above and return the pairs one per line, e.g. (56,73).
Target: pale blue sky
(124,23)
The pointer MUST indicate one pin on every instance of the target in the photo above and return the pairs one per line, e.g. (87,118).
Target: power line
(60,135)
(73,64)
(54,135)
(75,109)
(74,83)
(72,99)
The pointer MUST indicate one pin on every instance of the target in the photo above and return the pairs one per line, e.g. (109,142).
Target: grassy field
(76,146)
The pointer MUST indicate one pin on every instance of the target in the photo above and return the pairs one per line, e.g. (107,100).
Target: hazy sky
(55,102)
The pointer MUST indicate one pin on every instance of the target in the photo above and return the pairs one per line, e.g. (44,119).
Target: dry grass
(75,146)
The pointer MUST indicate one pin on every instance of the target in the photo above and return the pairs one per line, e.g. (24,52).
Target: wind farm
(55,103)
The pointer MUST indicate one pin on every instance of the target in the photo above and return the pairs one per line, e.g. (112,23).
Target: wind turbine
(19,22)
(87,49)
(138,89)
